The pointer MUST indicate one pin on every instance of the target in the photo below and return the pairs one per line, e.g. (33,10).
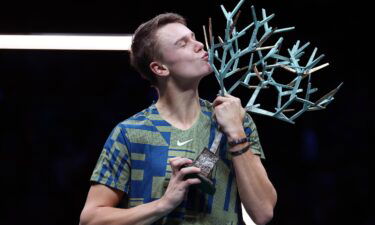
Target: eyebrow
(184,37)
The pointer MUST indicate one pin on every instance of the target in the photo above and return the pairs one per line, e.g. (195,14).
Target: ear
(159,69)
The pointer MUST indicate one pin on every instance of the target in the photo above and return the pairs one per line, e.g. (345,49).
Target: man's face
(181,53)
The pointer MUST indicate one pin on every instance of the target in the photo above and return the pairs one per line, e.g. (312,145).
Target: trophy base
(206,161)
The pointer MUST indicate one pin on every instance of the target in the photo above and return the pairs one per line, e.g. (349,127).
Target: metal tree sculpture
(263,60)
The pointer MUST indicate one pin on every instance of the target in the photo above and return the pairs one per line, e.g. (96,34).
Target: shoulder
(131,129)
(137,120)
(137,123)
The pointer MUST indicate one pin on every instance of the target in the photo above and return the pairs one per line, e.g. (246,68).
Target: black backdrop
(57,108)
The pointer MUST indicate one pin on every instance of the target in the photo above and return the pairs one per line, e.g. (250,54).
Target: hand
(178,187)
(229,114)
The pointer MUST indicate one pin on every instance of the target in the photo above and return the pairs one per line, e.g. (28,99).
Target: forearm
(256,191)
(143,214)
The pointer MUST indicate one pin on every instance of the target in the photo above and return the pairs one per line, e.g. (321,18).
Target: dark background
(58,107)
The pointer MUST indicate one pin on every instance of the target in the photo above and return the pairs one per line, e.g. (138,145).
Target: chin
(206,73)
(209,69)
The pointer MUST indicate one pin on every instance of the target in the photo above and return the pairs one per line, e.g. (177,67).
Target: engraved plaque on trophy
(206,161)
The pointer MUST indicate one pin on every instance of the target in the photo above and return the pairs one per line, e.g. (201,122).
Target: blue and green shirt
(135,160)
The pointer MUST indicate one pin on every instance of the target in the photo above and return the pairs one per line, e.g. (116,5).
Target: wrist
(236,135)
(239,151)
(163,207)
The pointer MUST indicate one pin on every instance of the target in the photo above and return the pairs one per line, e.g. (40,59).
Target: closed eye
(181,43)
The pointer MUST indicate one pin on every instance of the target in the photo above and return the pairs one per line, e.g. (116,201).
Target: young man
(143,161)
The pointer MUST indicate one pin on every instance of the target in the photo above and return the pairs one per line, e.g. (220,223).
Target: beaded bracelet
(238,141)
(241,151)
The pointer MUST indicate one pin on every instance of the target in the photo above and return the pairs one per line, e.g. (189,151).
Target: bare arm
(256,191)
(101,201)
(100,209)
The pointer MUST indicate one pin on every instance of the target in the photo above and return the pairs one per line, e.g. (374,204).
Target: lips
(205,56)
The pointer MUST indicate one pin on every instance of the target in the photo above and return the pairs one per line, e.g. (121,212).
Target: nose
(198,46)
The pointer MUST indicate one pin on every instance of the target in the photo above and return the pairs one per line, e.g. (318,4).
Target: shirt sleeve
(113,166)
(252,134)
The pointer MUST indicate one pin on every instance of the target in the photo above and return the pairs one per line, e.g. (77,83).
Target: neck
(180,107)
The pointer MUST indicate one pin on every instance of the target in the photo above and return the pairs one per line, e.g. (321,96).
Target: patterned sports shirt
(135,160)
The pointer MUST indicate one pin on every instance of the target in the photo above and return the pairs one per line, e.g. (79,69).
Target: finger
(232,98)
(238,101)
(187,170)
(172,160)
(218,100)
(191,181)
(176,164)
